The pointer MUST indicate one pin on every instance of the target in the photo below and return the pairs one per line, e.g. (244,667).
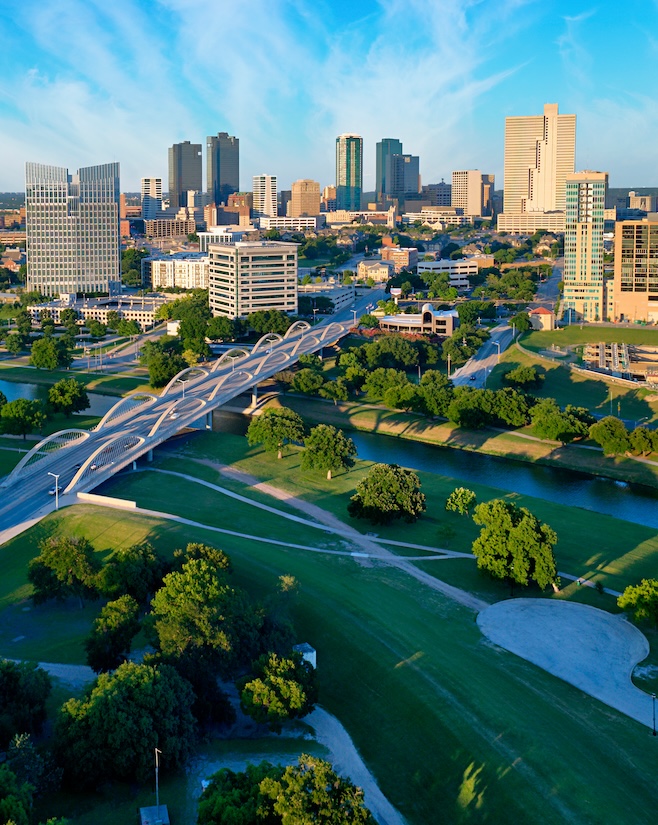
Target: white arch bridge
(77,460)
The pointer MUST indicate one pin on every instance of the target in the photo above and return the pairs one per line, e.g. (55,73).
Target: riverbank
(515,446)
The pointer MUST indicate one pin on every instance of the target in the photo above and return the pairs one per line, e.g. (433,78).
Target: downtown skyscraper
(385,148)
(184,172)
(222,167)
(349,172)
(72,228)
(540,151)
(265,196)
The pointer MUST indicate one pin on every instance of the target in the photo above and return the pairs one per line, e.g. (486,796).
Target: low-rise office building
(379,271)
(459,271)
(401,257)
(246,277)
(296,224)
(185,270)
(142,309)
(428,321)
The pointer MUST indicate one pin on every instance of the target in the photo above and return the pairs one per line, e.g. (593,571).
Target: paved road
(95,456)
(476,370)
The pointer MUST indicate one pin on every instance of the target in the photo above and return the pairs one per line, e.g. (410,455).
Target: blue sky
(92,81)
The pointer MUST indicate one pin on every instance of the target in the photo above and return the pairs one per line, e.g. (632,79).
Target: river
(632,502)
(99,404)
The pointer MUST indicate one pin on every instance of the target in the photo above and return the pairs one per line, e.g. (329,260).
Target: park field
(105,384)
(455,729)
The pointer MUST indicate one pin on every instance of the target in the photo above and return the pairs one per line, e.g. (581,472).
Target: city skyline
(125,82)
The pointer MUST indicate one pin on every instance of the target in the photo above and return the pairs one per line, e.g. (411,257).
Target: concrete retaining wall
(107,501)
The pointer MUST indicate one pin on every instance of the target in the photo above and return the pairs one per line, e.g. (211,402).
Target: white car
(54,490)
(174,416)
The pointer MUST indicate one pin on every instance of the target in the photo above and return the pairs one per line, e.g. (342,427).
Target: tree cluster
(387,493)
(310,791)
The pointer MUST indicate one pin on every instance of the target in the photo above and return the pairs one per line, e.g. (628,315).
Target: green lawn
(104,384)
(568,387)
(446,721)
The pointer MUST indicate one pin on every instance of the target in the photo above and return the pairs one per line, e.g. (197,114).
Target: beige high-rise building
(245,277)
(265,196)
(635,291)
(305,198)
(583,245)
(472,191)
(540,151)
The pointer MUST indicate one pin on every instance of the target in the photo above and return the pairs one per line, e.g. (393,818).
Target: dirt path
(369,545)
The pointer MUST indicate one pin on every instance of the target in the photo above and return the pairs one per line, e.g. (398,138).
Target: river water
(632,502)
(99,404)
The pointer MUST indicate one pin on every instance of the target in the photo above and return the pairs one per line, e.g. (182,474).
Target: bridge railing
(43,453)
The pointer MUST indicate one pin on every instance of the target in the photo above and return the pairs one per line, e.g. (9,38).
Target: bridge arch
(283,358)
(115,412)
(313,339)
(225,378)
(227,356)
(268,338)
(46,449)
(199,404)
(177,377)
(340,330)
(105,455)
(298,326)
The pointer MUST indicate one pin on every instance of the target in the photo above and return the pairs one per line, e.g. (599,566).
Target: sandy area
(587,647)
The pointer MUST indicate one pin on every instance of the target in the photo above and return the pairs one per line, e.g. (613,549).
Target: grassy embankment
(104,384)
(446,721)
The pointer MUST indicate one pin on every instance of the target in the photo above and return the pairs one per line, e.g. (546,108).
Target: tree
(436,391)
(523,377)
(198,614)
(521,321)
(278,688)
(21,417)
(15,343)
(163,366)
(112,731)
(611,434)
(641,601)
(549,421)
(135,571)
(128,328)
(24,692)
(642,441)
(112,633)
(50,354)
(514,545)
(68,396)
(15,799)
(276,428)
(307,381)
(236,798)
(220,328)
(312,791)
(113,318)
(368,321)
(334,390)
(67,566)
(269,320)
(388,492)
(327,448)
(460,501)
(29,765)
(381,380)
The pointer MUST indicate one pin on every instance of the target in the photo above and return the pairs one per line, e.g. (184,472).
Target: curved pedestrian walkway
(591,649)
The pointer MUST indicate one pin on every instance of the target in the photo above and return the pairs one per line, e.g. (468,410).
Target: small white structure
(309,654)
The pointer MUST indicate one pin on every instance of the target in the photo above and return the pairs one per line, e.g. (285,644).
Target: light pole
(497,343)
(353,311)
(56,477)
(653,709)
(639,421)
(315,312)
(183,382)
(449,359)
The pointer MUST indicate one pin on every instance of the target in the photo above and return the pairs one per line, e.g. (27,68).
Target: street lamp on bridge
(56,477)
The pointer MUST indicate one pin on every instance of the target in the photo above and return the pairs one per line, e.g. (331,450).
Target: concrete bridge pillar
(209,420)
(149,455)
(254,395)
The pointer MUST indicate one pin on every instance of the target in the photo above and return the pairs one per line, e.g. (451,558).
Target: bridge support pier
(254,395)
(149,455)
(209,420)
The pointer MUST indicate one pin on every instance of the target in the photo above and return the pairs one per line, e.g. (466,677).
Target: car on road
(174,416)
(54,490)
(472,378)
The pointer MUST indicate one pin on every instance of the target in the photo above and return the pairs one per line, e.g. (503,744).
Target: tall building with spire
(72,228)
(349,172)
(222,167)
(540,151)
(184,172)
